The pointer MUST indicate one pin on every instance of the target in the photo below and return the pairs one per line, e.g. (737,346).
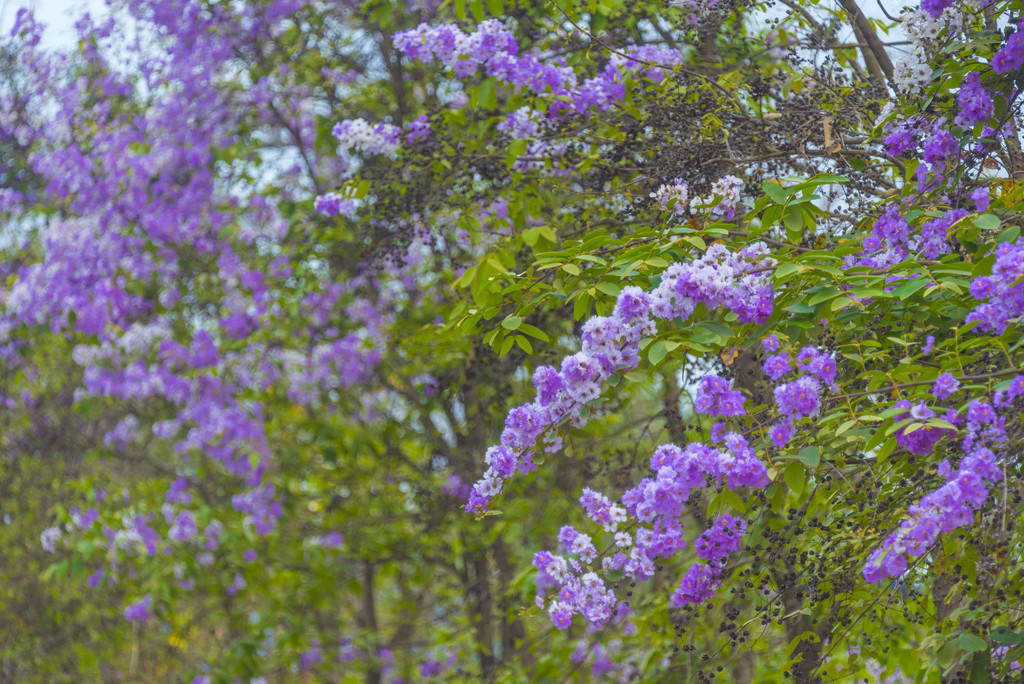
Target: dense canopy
(502,340)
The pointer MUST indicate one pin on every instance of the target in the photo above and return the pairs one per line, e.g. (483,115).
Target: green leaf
(512,322)
(516,149)
(487,95)
(980,664)
(841,303)
(946,654)
(794,222)
(906,289)
(796,477)
(775,191)
(788,269)
(534,331)
(824,295)
(1010,234)
(1006,637)
(971,643)
(477,8)
(987,222)
(657,352)
(810,456)
(857,164)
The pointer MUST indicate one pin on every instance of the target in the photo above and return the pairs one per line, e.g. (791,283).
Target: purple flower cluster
(673,196)
(1003,295)
(139,611)
(714,398)
(945,385)
(935,7)
(722,539)
(902,136)
(719,279)
(699,584)
(418,129)
(651,512)
(892,239)
(600,654)
(976,105)
(940,146)
(522,124)
(141,191)
(1011,56)
(333,204)
(965,491)
(800,398)
(494,48)
(311,657)
(365,138)
(728,188)
(916,437)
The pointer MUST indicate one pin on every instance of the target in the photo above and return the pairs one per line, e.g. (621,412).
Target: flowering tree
(516,340)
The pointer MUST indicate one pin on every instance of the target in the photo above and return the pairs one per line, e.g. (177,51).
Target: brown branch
(876,58)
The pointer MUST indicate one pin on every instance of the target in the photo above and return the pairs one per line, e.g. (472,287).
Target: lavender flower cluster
(720,279)
(799,398)
(366,138)
(1002,291)
(647,525)
(494,48)
(965,491)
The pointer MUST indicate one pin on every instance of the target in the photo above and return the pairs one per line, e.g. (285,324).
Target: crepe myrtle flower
(945,385)
(139,611)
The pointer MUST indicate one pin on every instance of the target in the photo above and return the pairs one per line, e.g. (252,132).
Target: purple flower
(975,103)
(95,578)
(980,197)
(815,362)
(914,437)
(1011,56)
(698,585)
(139,611)
(418,129)
(1003,295)
(781,433)
(902,137)
(940,147)
(716,399)
(777,365)
(799,398)
(311,657)
(333,204)
(49,539)
(929,344)
(561,616)
(935,7)
(722,539)
(945,385)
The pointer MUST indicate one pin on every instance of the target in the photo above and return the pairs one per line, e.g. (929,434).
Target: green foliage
(521,249)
